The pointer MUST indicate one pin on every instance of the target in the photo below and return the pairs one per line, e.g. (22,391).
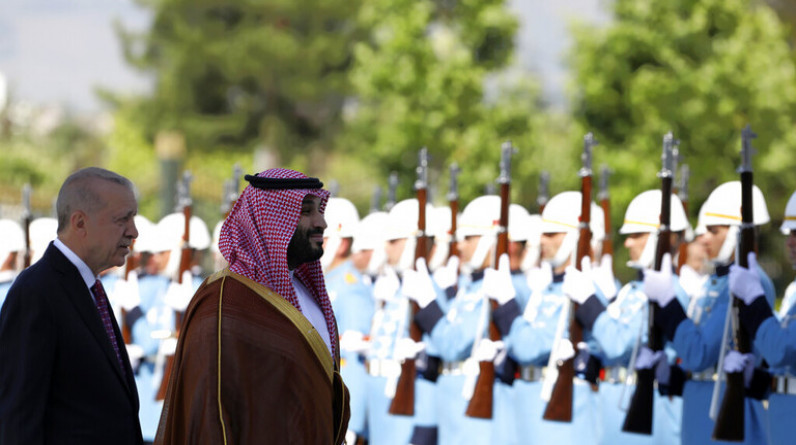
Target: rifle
(230,192)
(403,404)
(375,200)
(682,193)
(392,191)
(453,201)
(639,414)
(130,264)
(184,204)
(730,421)
(480,405)
(544,191)
(605,203)
(559,408)
(27,217)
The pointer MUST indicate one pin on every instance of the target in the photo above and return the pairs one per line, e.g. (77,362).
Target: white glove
(354,341)
(603,276)
(447,275)
(386,285)
(125,292)
(734,361)
(179,295)
(577,283)
(487,350)
(563,351)
(136,353)
(168,346)
(417,285)
(497,283)
(406,348)
(658,284)
(540,277)
(647,359)
(745,283)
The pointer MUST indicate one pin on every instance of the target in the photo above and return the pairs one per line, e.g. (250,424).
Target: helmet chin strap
(332,243)
(407,259)
(727,247)
(565,250)
(172,269)
(531,258)
(647,257)
(377,259)
(439,257)
(481,250)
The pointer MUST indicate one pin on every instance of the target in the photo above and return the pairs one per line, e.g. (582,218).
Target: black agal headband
(283,183)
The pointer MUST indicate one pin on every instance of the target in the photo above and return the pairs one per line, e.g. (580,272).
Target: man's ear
(78,221)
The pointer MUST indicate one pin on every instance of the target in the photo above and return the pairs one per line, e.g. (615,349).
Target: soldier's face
(790,243)
(713,239)
(635,243)
(394,249)
(467,247)
(307,242)
(550,244)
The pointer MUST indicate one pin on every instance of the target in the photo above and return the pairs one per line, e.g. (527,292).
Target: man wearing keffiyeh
(258,354)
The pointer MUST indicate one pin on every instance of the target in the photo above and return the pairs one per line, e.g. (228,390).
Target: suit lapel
(76,292)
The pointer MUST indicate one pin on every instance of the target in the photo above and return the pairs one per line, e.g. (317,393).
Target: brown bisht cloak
(251,369)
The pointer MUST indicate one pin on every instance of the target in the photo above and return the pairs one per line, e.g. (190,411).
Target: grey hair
(79,193)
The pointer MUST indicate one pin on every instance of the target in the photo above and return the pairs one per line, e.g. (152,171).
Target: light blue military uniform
(352,302)
(617,329)
(390,323)
(155,316)
(529,340)
(452,334)
(776,340)
(697,340)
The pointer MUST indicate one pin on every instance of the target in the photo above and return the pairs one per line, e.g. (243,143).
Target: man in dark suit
(65,377)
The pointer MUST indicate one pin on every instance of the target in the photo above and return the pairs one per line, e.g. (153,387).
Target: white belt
(708,375)
(453,368)
(784,384)
(615,374)
(532,373)
(384,368)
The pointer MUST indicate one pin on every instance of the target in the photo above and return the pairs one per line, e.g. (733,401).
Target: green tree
(702,69)
(233,75)
(421,78)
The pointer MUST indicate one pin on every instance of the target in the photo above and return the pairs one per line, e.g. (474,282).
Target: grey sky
(57,51)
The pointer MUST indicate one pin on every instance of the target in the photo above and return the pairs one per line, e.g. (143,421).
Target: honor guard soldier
(696,332)
(42,231)
(536,331)
(390,344)
(773,335)
(617,326)
(12,242)
(352,302)
(367,251)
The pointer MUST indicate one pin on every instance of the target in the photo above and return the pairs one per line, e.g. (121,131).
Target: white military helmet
(42,231)
(643,215)
(438,225)
(341,218)
(369,236)
(723,208)
(789,220)
(564,217)
(481,217)
(533,242)
(216,236)
(402,223)
(519,228)
(597,226)
(172,228)
(12,238)
(147,235)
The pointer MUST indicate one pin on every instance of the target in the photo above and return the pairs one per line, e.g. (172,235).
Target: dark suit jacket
(60,381)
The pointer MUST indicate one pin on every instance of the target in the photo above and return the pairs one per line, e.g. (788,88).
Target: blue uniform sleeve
(697,345)
(617,336)
(776,343)
(454,334)
(529,344)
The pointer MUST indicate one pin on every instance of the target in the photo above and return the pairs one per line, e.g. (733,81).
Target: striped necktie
(105,315)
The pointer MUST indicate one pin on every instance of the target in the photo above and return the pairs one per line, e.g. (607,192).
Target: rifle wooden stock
(608,241)
(185,264)
(730,420)
(129,266)
(682,251)
(480,405)
(453,247)
(640,412)
(403,403)
(559,408)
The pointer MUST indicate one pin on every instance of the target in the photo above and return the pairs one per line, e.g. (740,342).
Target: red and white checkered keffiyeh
(255,236)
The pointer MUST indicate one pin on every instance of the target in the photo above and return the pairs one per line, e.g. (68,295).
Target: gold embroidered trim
(294,315)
